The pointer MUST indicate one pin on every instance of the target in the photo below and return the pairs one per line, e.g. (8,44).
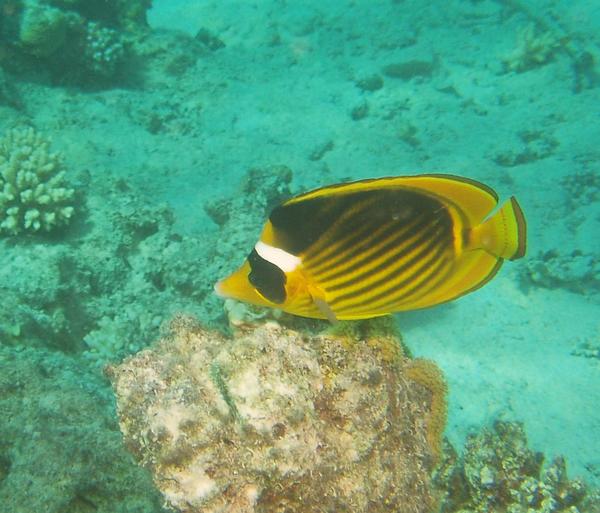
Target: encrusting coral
(276,420)
(34,195)
(428,374)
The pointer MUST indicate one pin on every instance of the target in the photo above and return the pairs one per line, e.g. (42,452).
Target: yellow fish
(369,248)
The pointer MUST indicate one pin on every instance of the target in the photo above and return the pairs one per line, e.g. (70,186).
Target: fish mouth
(218,289)
(236,286)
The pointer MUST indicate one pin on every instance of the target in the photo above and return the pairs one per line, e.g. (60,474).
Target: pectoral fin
(318,297)
(326,310)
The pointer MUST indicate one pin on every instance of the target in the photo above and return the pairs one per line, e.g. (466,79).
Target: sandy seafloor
(284,88)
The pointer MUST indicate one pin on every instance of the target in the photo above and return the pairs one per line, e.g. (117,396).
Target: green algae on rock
(276,420)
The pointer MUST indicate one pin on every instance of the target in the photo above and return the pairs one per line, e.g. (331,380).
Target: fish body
(373,247)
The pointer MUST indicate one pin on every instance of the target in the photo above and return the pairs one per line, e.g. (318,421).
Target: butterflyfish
(373,247)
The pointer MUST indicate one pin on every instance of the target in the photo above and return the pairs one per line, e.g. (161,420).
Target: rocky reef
(60,446)
(240,215)
(71,40)
(575,271)
(273,420)
(498,472)
(574,266)
(117,238)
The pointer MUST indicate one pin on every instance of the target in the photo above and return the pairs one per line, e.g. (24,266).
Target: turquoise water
(176,136)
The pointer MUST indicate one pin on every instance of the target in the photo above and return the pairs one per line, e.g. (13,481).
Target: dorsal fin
(475,199)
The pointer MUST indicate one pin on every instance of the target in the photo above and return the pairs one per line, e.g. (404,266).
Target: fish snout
(218,288)
(238,286)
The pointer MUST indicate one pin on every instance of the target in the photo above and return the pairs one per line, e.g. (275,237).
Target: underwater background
(154,140)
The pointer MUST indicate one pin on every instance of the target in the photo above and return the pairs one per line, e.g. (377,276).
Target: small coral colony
(34,195)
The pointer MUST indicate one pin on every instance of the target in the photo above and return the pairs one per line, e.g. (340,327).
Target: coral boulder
(278,421)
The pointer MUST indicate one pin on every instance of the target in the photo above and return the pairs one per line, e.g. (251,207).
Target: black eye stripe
(268,279)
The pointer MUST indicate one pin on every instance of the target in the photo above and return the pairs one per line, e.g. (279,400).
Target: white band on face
(282,259)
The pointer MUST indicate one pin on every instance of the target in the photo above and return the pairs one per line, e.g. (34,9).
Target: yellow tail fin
(504,234)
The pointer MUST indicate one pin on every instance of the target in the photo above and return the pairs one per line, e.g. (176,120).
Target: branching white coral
(33,193)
